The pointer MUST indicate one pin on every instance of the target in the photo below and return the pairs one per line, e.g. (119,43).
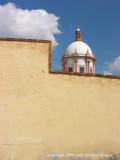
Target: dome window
(81,69)
(70,69)
(90,70)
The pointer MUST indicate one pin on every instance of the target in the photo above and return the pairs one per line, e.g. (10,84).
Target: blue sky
(99,22)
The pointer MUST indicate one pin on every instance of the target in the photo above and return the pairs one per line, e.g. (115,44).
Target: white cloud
(113,67)
(106,72)
(36,24)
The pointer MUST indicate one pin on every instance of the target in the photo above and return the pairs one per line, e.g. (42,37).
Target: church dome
(78,56)
(80,47)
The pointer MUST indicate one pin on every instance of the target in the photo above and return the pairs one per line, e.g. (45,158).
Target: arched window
(70,69)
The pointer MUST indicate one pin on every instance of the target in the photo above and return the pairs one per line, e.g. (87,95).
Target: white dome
(80,47)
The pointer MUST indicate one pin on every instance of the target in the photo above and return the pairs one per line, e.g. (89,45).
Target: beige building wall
(42,113)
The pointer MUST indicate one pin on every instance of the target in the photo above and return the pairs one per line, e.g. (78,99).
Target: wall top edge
(85,74)
(58,71)
(24,40)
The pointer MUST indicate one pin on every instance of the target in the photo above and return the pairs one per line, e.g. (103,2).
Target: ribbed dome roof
(80,47)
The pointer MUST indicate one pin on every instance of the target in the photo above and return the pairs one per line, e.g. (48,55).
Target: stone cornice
(78,56)
(23,40)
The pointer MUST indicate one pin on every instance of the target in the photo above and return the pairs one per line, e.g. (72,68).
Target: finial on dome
(87,53)
(78,28)
(75,50)
(94,55)
(65,54)
(75,53)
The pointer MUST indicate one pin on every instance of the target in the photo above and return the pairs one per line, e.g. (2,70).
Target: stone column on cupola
(63,66)
(94,59)
(75,61)
(75,65)
(87,62)
(65,60)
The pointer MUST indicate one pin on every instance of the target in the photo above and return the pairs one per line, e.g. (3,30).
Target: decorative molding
(78,56)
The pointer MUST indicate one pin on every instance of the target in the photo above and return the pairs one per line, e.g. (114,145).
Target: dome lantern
(78,34)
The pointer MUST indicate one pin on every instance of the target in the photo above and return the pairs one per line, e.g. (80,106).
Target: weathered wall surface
(42,112)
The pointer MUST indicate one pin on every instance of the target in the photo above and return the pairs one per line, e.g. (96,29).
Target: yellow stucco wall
(42,113)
